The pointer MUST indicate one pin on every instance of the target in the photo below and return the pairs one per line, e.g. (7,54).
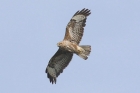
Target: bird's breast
(71,47)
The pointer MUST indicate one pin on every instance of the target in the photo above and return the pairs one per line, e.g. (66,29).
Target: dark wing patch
(75,28)
(57,64)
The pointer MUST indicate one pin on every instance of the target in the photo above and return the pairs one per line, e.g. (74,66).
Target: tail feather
(86,52)
(87,49)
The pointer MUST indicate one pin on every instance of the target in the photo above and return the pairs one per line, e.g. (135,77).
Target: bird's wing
(57,64)
(75,28)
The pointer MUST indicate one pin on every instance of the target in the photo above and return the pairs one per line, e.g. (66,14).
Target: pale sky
(30,30)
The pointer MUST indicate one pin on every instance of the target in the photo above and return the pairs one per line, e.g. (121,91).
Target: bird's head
(59,44)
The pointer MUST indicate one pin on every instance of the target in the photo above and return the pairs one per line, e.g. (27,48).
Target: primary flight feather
(69,46)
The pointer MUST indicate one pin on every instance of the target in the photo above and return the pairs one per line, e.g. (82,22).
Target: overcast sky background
(30,30)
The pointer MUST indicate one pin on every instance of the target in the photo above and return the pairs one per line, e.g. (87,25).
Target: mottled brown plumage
(75,28)
(69,45)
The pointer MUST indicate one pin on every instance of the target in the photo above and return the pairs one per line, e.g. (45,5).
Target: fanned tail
(86,51)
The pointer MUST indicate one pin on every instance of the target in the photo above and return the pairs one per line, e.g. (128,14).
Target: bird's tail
(86,51)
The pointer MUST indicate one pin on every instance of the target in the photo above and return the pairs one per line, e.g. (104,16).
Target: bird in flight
(69,46)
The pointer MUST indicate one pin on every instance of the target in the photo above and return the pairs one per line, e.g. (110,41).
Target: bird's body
(74,48)
(69,45)
(66,45)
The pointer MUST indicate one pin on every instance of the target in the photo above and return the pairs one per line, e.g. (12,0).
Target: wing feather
(75,28)
(57,64)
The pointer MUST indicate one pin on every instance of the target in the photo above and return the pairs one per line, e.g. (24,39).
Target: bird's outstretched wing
(57,64)
(75,28)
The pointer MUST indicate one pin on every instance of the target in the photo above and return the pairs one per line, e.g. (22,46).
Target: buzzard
(69,46)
